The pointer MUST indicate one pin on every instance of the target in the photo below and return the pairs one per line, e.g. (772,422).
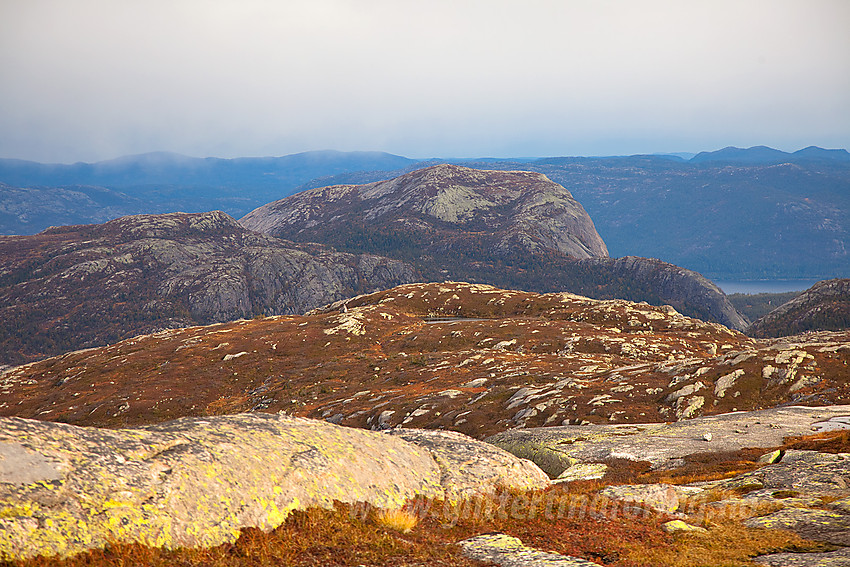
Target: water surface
(764,286)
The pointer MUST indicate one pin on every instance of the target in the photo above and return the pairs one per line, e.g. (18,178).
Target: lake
(764,286)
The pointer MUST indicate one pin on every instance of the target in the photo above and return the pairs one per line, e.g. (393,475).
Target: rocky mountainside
(824,306)
(512,229)
(80,286)
(510,211)
(466,357)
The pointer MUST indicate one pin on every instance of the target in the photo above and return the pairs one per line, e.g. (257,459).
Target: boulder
(197,482)
(658,497)
(680,526)
(469,467)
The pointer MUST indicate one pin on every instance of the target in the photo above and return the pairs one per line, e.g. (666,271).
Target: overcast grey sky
(95,79)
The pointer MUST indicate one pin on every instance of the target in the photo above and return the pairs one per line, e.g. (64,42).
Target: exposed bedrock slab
(508,551)
(808,472)
(196,482)
(837,558)
(554,449)
(830,526)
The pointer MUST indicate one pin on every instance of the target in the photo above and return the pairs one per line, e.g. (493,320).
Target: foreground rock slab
(196,482)
(508,551)
(555,449)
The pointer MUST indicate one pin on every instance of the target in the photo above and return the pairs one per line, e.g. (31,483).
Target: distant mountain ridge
(163,182)
(754,213)
(170,168)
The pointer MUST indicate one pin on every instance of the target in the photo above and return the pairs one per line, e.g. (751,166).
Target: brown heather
(498,359)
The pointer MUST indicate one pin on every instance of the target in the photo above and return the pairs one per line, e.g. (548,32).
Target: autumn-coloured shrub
(397,519)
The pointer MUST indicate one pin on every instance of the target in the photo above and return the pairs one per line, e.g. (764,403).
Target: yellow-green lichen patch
(197,482)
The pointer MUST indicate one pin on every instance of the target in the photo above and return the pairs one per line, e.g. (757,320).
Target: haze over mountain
(161,182)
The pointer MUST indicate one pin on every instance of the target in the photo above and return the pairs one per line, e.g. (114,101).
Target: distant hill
(823,307)
(82,286)
(764,154)
(513,229)
(32,209)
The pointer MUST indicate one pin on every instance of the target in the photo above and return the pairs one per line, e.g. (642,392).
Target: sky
(89,80)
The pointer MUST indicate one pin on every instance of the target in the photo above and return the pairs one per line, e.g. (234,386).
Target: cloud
(93,79)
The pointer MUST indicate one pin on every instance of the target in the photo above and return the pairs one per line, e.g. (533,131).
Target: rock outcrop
(513,229)
(465,357)
(823,307)
(509,551)
(803,491)
(82,286)
(197,482)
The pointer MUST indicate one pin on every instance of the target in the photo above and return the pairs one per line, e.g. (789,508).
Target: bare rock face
(514,206)
(80,286)
(196,482)
(824,306)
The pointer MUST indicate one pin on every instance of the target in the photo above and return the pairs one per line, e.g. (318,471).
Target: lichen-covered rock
(554,449)
(469,467)
(583,471)
(680,526)
(830,526)
(509,551)
(808,472)
(196,482)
